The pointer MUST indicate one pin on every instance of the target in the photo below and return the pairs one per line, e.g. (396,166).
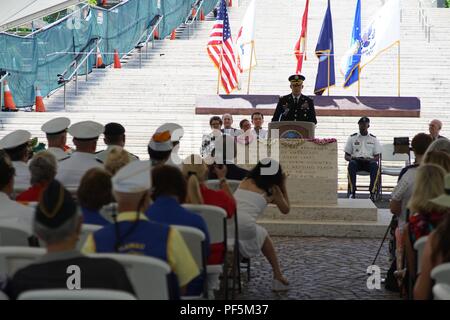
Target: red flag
(300,46)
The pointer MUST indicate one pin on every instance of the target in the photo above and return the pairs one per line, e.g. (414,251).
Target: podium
(293,129)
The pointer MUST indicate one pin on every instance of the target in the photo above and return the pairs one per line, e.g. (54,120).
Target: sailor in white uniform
(16,145)
(85,136)
(56,132)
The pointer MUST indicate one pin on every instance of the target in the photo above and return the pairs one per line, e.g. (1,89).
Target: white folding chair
(392,163)
(86,230)
(83,294)
(195,241)
(15,258)
(214,184)
(441,291)
(216,221)
(441,273)
(419,245)
(149,276)
(13,235)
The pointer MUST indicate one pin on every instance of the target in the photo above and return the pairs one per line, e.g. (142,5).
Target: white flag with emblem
(245,40)
(382,32)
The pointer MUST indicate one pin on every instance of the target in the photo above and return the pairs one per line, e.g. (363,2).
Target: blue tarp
(38,59)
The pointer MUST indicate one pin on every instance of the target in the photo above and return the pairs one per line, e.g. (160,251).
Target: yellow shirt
(179,257)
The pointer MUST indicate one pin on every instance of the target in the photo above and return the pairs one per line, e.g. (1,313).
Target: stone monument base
(352,218)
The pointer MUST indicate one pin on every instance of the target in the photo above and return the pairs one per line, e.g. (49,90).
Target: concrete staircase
(174,72)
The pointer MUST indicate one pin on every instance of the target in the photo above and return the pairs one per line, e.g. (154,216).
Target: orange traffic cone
(194,12)
(173,35)
(202,16)
(99,63)
(40,107)
(9,101)
(104,2)
(117,64)
(156,34)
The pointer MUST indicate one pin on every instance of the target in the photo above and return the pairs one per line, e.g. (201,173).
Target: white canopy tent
(14,13)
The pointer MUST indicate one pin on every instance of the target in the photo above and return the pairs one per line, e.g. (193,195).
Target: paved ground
(320,268)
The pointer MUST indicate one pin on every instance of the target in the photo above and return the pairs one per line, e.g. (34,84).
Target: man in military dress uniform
(362,152)
(114,136)
(56,133)
(295,106)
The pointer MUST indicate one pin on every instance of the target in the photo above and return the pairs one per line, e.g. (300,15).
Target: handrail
(423,19)
(2,79)
(190,19)
(149,37)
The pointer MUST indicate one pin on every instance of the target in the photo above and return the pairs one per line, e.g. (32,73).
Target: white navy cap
(15,139)
(56,125)
(86,130)
(161,141)
(176,131)
(133,178)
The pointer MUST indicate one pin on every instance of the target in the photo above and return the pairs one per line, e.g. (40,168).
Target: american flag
(220,49)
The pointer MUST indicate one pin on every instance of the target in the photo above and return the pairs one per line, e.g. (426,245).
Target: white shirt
(71,171)
(58,153)
(403,192)
(22,177)
(262,133)
(362,146)
(15,214)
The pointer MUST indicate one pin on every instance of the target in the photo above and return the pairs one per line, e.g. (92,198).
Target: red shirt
(31,195)
(220,199)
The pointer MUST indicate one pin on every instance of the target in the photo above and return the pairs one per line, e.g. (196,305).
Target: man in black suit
(295,106)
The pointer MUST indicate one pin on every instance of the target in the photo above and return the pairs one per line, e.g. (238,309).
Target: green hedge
(447,3)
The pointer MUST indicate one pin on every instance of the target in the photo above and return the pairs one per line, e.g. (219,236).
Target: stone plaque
(312,171)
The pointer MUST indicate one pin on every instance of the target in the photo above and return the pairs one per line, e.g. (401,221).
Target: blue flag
(351,60)
(325,52)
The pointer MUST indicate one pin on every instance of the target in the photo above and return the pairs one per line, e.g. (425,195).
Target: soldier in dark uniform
(295,106)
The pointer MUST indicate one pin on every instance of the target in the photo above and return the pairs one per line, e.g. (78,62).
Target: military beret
(56,125)
(296,78)
(364,120)
(55,207)
(113,129)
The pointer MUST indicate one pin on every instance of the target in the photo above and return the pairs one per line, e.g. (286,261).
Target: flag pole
(220,68)
(398,69)
(250,70)
(328,88)
(359,78)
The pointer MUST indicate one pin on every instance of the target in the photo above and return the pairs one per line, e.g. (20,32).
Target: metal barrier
(423,20)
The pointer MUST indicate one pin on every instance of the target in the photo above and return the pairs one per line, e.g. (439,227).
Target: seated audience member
(258,131)
(168,191)
(195,171)
(160,148)
(16,145)
(419,146)
(442,144)
(400,197)
(439,158)
(43,168)
(208,140)
(116,159)
(176,133)
(56,133)
(425,215)
(114,137)
(58,224)
(227,120)
(85,136)
(11,212)
(226,156)
(435,127)
(133,233)
(94,192)
(437,248)
(245,125)
(265,184)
